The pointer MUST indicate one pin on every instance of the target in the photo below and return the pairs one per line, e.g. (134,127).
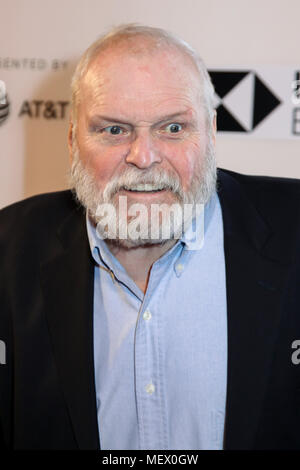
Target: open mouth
(145,188)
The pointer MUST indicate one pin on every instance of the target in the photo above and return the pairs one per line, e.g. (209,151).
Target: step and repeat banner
(264,102)
(258,105)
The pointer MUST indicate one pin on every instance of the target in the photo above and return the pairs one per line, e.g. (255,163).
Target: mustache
(132,177)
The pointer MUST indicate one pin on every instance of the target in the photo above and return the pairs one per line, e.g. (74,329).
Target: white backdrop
(41,40)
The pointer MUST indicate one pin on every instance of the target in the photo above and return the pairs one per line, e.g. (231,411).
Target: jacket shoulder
(275,199)
(265,192)
(34,221)
(253,183)
(34,203)
(41,208)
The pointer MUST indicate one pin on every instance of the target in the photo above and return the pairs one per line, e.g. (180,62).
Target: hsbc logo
(243,100)
(4,105)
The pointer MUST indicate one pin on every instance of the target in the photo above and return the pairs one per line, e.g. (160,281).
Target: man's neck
(139,260)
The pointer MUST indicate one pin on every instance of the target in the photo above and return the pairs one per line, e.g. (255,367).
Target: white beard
(92,198)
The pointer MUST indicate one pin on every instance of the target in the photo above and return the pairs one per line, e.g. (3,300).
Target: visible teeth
(145,187)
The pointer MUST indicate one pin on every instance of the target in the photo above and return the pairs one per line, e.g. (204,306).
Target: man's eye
(174,128)
(114,130)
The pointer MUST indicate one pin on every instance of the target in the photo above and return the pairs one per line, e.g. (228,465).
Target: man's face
(140,116)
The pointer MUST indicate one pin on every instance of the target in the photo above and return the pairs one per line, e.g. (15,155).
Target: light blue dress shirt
(161,358)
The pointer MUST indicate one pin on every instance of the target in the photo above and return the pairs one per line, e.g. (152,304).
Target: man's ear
(70,140)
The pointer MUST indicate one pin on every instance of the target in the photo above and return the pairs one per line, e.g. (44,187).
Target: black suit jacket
(47,387)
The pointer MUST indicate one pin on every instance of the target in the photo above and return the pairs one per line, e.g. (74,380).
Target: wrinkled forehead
(139,68)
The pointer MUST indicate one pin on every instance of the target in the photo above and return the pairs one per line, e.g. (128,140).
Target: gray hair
(159,37)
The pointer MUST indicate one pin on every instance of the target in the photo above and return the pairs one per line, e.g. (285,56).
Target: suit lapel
(67,282)
(254,283)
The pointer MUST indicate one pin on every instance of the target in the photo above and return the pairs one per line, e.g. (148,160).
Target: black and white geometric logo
(4,105)
(242,100)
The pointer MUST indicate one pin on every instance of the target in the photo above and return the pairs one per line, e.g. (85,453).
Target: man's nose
(143,153)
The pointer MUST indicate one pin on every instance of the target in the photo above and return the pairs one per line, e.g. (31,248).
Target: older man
(119,336)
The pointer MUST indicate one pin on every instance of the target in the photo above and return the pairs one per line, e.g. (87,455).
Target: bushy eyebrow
(173,117)
(161,119)
(99,117)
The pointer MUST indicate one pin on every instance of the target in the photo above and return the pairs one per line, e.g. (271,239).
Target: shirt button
(147,315)
(180,267)
(150,389)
